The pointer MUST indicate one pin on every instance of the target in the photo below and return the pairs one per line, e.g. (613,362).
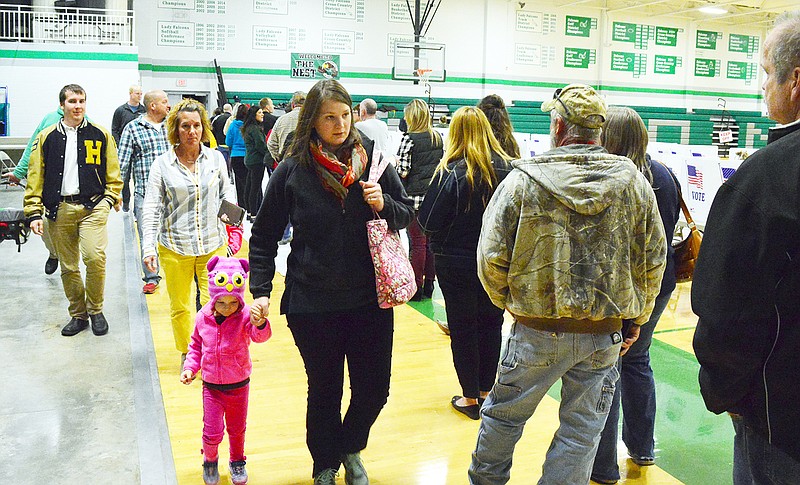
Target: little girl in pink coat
(219,347)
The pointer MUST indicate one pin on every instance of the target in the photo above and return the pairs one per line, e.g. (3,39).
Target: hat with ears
(579,104)
(227,276)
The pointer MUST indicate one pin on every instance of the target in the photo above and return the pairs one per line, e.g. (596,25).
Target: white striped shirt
(184,205)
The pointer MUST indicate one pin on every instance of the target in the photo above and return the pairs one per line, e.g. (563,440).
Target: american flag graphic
(727,172)
(695,176)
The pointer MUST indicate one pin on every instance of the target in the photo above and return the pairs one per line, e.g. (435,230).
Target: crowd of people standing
(573,244)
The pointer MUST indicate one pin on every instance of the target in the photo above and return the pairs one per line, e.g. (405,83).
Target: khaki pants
(48,243)
(179,272)
(78,233)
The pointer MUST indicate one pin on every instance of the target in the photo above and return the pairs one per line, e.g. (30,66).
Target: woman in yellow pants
(186,187)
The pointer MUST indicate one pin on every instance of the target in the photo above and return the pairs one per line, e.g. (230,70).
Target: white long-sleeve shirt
(180,207)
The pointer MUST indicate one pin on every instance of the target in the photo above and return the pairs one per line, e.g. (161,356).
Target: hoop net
(423,74)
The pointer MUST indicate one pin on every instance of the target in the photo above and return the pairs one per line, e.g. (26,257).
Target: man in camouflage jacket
(572,244)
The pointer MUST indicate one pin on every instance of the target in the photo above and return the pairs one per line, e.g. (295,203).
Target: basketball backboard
(416,61)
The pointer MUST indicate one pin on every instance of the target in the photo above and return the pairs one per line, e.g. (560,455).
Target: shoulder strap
(686,214)
(378,166)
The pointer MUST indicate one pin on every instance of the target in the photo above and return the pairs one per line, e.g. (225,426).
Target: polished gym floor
(111,410)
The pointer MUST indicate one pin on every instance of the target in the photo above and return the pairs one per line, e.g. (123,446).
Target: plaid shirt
(139,145)
(181,207)
(404,165)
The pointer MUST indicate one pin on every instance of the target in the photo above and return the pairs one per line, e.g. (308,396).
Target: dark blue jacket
(665,188)
(452,215)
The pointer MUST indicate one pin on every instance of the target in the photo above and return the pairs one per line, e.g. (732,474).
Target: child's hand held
(187,377)
(255,316)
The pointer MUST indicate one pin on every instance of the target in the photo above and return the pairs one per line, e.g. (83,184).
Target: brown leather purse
(687,250)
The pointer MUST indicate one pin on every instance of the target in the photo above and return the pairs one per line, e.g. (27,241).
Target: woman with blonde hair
(186,187)
(420,151)
(452,213)
(624,133)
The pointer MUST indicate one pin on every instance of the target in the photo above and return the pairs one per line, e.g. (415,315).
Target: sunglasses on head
(557,97)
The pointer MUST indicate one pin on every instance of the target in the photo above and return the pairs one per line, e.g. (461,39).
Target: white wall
(519,52)
(105,72)
(493,46)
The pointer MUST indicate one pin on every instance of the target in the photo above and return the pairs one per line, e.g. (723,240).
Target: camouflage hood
(585,178)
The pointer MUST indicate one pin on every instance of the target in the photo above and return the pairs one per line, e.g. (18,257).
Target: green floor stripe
(692,444)
(670,330)
(430,308)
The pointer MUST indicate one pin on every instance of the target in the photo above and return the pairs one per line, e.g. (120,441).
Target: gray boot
(326,477)
(210,473)
(354,472)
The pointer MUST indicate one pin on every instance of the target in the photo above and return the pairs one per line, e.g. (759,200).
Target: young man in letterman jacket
(73,182)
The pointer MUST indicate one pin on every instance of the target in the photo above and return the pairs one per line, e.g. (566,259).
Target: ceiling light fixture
(713,10)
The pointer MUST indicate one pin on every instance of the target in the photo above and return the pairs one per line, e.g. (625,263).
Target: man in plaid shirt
(142,140)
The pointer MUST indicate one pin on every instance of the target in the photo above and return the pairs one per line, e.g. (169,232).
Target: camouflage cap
(577,103)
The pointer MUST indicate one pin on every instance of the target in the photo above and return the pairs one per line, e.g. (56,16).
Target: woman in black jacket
(420,151)
(451,214)
(330,300)
(255,144)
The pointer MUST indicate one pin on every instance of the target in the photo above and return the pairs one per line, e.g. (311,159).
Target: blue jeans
(757,462)
(637,388)
(138,204)
(287,233)
(532,363)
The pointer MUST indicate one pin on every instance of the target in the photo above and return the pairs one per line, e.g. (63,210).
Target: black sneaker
(210,473)
(74,327)
(99,324)
(51,265)
(642,460)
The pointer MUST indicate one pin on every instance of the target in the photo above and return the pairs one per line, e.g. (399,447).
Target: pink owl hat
(227,276)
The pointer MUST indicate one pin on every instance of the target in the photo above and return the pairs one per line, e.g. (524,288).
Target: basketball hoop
(423,74)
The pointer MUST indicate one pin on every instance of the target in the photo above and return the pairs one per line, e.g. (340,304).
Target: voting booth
(698,168)
(700,172)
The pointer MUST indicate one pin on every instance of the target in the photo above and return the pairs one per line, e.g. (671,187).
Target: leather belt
(71,199)
(571,325)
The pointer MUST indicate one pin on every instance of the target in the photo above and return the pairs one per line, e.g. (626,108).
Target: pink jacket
(222,351)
